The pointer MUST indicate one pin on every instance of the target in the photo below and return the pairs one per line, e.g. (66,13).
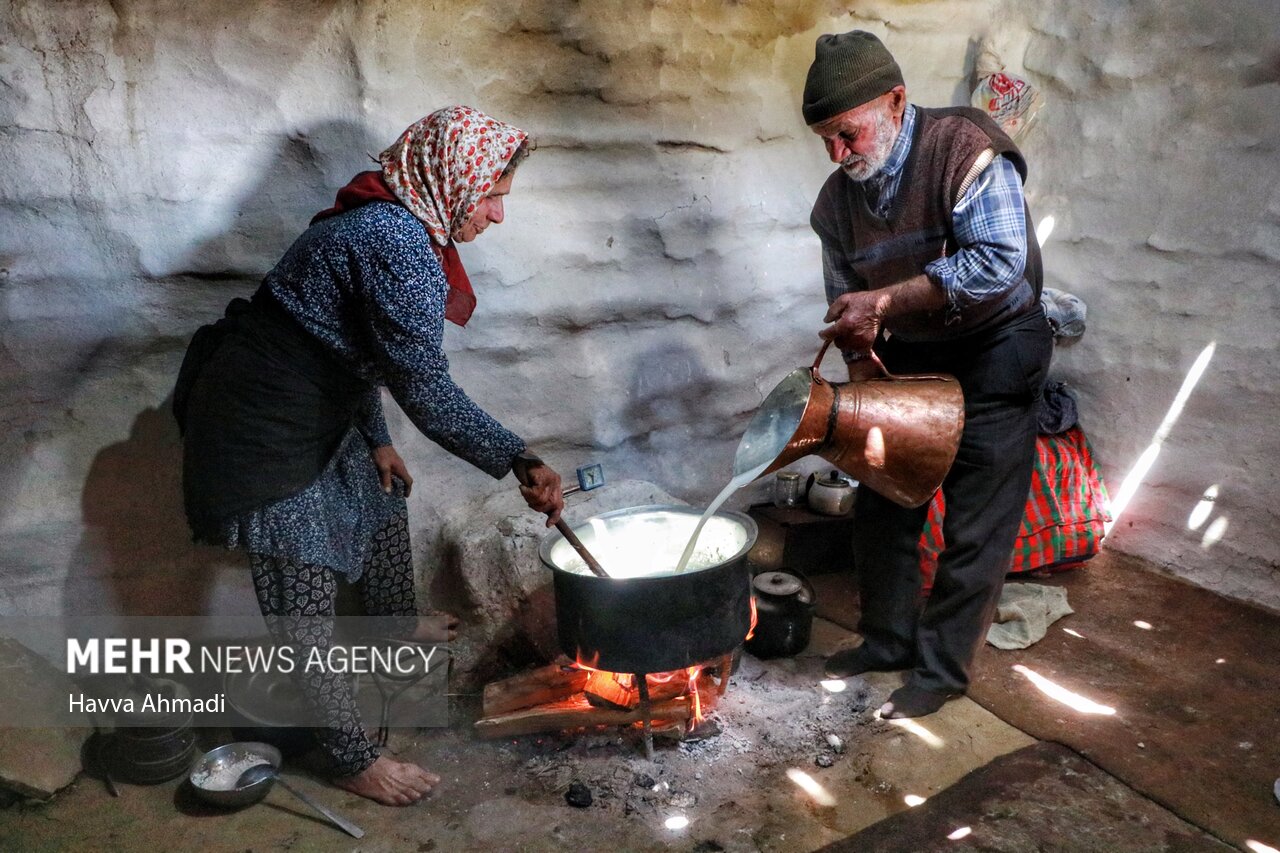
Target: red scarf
(369,186)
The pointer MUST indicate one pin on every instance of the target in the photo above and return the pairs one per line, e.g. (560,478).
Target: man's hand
(862,369)
(389,464)
(541,491)
(856,317)
(855,320)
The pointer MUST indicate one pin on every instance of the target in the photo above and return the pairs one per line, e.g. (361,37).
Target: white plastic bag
(1010,100)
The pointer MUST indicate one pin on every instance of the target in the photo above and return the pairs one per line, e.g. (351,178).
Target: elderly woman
(286,453)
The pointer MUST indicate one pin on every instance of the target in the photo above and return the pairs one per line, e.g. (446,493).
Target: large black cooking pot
(643,618)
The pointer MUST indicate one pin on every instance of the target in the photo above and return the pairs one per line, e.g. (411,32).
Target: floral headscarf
(443,165)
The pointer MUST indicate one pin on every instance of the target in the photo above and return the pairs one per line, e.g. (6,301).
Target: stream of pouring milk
(736,483)
(767,436)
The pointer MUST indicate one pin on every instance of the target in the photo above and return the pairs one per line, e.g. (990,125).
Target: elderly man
(929,257)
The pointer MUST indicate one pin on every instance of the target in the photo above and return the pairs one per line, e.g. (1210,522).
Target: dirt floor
(736,791)
(1191,679)
(1043,797)
(796,766)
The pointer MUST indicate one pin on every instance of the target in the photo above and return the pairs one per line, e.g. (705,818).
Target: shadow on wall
(300,179)
(136,558)
(669,387)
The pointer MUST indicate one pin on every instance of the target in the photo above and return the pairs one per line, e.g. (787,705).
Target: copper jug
(897,434)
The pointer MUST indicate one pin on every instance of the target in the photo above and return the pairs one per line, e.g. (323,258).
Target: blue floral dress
(367,284)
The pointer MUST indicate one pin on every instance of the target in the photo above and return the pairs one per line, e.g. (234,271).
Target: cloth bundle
(1025,613)
(1065,312)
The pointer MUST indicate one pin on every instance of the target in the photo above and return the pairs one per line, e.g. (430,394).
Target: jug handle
(875,359)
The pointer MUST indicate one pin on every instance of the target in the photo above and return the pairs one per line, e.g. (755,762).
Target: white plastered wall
(656,274)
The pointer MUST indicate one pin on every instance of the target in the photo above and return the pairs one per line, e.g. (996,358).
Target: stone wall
(655,275)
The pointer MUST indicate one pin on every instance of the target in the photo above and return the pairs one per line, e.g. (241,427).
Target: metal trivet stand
(392,684)
(724,670)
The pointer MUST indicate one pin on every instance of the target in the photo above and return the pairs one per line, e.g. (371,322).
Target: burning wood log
(668,685)
(611,690)
(551,683)
(578,712)
(619,690)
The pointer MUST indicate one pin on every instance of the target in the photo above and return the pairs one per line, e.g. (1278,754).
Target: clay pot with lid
(785,604)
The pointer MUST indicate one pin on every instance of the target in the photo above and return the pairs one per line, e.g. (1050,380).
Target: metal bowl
(213,777)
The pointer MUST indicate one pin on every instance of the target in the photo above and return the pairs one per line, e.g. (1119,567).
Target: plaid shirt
(989,226)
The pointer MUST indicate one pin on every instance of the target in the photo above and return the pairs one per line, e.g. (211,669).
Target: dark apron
(262,406)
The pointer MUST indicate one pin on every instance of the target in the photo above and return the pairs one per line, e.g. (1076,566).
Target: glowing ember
(601,682)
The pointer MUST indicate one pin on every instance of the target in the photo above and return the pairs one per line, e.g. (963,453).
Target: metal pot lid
(777,583)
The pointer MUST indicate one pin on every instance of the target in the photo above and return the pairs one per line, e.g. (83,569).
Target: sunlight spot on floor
(1146,626)
(833,685)
(810,786)
(919,731)
(1061,694)
(1259,847)
(960,833)
(677,822)
(913,800)
(1073,633)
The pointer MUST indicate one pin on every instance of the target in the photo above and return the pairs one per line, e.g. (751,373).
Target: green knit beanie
(848,70)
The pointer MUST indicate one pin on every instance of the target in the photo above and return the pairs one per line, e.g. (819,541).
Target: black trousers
(1002,373)
(298,602)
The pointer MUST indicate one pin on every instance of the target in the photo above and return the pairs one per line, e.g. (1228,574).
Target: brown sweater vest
(917,230)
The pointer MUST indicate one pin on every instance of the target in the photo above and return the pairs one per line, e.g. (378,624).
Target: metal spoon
(265,771)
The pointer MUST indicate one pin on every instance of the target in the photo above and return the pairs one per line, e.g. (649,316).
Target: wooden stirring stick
(573,540)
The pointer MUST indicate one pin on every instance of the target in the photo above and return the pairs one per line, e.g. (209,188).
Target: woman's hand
(540,488)
(389,464)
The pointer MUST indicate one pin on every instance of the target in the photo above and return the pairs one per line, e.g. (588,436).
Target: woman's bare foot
(390,782)
(437,626)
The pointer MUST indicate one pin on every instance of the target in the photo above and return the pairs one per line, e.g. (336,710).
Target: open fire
(576,694)
(622,690)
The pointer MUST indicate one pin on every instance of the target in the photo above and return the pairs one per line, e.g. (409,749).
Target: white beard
(862,168)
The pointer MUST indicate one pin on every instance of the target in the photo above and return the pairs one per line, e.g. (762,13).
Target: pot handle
(875,359)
